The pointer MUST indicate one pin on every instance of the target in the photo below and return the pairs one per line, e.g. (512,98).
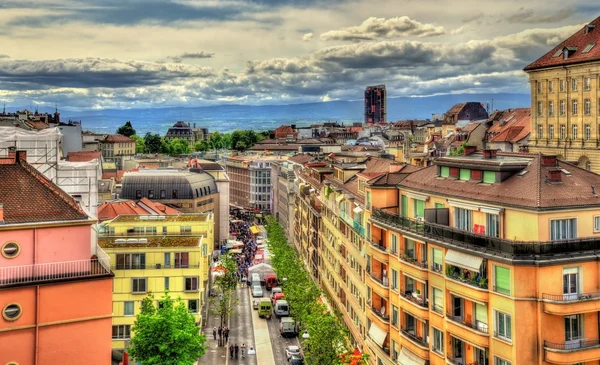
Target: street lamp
(305,335)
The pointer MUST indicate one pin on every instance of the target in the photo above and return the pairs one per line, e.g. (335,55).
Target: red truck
(271,281)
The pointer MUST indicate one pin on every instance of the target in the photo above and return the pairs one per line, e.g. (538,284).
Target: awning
(491,210)
(377,334)
(468,206)
(235,251)
(463,260)
(339,198)
(258,257)
(418,196)
(357,210)
(229,245)
(254,230)
(408,358)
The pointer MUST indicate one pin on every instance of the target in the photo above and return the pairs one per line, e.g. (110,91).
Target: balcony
(477,326)
(466,277)
(420,341)
(382,282)
(417,299)
(413,261)
(472,241)
(469,330)
(376,243)
(150,234)
(567,304)
(155,266)
(54,271)
(384,317)
(577,351)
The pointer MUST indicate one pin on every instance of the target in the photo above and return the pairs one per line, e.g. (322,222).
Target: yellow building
(565,99)
(154,253)
(117,148)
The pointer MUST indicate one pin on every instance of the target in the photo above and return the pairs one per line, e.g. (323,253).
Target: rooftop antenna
(4,108)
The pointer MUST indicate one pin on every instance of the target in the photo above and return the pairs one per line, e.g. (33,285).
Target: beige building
(565,97)
(117,148)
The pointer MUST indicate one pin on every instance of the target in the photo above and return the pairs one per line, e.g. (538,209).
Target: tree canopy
(166,334)
(153,143)
(126,129)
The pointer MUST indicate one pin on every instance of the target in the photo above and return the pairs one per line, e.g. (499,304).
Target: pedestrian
(237,348)
(231,351)
(226,334)
(243,351)
(214,333)
(220,331)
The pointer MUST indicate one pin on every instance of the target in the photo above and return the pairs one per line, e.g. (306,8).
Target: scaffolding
(78,179)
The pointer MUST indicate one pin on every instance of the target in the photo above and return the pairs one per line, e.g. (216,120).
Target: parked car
(291,350)
(281,308)
(296,360)
(276,289)
(276,297)
(255,304)
(288,328)
(257,291)
(265,308)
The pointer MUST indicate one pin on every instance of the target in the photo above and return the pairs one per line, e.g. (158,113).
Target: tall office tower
(375,104)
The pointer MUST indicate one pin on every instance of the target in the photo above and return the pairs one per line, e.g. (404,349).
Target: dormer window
(588,48)
(565,54)
(588,28)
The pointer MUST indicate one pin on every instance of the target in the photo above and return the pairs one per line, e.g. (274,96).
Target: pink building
(55,287)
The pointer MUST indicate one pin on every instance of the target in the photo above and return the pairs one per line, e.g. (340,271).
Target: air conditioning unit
(158,266)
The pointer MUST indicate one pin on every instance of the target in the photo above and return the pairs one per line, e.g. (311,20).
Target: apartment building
(565,99)
(154,253)
(484,259)
(117,148)
(55,283)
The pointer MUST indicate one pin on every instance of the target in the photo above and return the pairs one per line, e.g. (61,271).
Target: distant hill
(230,117)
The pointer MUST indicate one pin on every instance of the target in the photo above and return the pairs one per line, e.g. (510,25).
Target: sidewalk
(262,340)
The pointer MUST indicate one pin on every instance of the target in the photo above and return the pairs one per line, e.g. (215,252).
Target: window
(439,205)
(163,194)
(191,283)
(551,108)
(167,257)
(185,229)
(436,253)
(395,349)
(394,316)
(550,86)
(167,283)
(499,361)
(551,132)
(574,107)
(193,306)
(394,243)
(573,329)
(562,132)
(138,194)
(394,279)
(574,84)
(570,283)
(444,171)
(563,107)
(492,225)
(587,83)
(502,280)
(561,85)
(463,219)
(539,87)
(131,261)
(419,208)
(540,108)
(503,326)
(437,296)
(138,285)
(465,174)
(150,194)
(182,259)
(10,250)
(489,177)
(128,309)
(12,312)
(597,223)
(368,200)
(563,229)
(587,107)
(540,135)
(174,194)
(438,341)
(587,132)
(121,332)
(574,131)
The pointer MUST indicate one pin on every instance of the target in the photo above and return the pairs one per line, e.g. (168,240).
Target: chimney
(21,156)
(489,154)
(555,175)
(549,161)
(12,152)
(469,150)
(1,213)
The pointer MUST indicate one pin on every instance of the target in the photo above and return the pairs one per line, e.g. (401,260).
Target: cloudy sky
(88,54)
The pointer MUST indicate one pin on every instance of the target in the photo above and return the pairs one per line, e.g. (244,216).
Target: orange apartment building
(484,259)
(55,284)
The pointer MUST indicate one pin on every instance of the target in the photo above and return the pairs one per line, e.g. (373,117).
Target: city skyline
(110,54)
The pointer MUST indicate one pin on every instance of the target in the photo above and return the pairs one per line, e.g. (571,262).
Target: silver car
(257,291)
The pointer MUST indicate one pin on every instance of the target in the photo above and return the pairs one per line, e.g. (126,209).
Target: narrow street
(279,343)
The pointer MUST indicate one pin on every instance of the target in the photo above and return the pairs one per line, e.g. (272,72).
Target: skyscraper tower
(375,104)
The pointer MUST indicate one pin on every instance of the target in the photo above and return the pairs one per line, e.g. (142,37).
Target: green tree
(167,334)
(153,143)
(223,306)
(140,145)
(215,141)
(201,146)
(179,146)
(126,129)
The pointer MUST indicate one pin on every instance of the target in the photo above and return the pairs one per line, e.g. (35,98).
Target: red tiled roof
(83,156)
(29,197)
(144,206)
(118,175)
(455,109)
(36,124)
(300,159)
(275,147)
(578,41)
(516,127)
(389,179)
(117,138)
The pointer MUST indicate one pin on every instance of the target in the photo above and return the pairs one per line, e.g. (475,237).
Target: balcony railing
(377,312)
(571,297)
(29,274)
(477,326)
(419,299)
(378,246)
(415,338)
(148,234)
(413,261)
(572,345)
(471,240)
(154,266)
(473,281)
(383,281)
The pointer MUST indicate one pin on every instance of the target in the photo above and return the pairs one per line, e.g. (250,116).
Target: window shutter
(404,206)
(502,276)
(489,177)
(444,171)
(465,174)
(437,256)
(481,313)
(438,297)
(420,208)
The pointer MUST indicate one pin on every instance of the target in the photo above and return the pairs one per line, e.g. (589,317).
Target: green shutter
(465,174)
(439,205)
(404,206)
(481,313)
(444,171)
(437,256)
(502,278)
(489,177)
(419,208)
(438,297)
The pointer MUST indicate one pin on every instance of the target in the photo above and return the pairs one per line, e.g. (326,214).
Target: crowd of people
(249,248)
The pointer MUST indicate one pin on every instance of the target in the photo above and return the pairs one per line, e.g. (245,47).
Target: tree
(179,146)
(223,306)
(153,143)
(201,146)
(140,145)
(126,129)
(167,334)
(215,141)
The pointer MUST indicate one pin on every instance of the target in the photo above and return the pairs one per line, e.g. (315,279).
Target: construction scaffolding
(78,179)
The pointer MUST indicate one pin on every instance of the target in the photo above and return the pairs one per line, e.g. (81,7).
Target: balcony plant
(483,283)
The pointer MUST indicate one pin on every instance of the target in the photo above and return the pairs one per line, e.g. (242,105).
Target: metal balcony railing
(383,317)
(476,325)
(29,274)
(148,234)
(571,297)
(415,338)
(413,261)
(378,246)
(383,281)
(471,240)
(421,302)
(572,345)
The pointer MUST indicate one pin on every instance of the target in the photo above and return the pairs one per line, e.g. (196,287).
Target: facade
(117,148)
(72,140)
(55,283)
(154,253)
(510,131)
(483,259)
(565,101)
(375,105)
(112,209)
(460,114)
(183,130)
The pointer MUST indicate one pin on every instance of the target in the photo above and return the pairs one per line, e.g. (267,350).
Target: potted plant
(418,291)
(483,283)
(461,277)
(449,271)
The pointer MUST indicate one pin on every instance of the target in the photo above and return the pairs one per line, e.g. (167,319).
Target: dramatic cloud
(381,28)
(528,16)
(307,37)
(4,56)
(191,56)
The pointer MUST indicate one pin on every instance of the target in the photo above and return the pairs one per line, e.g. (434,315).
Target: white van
(255,280)
(281,308)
